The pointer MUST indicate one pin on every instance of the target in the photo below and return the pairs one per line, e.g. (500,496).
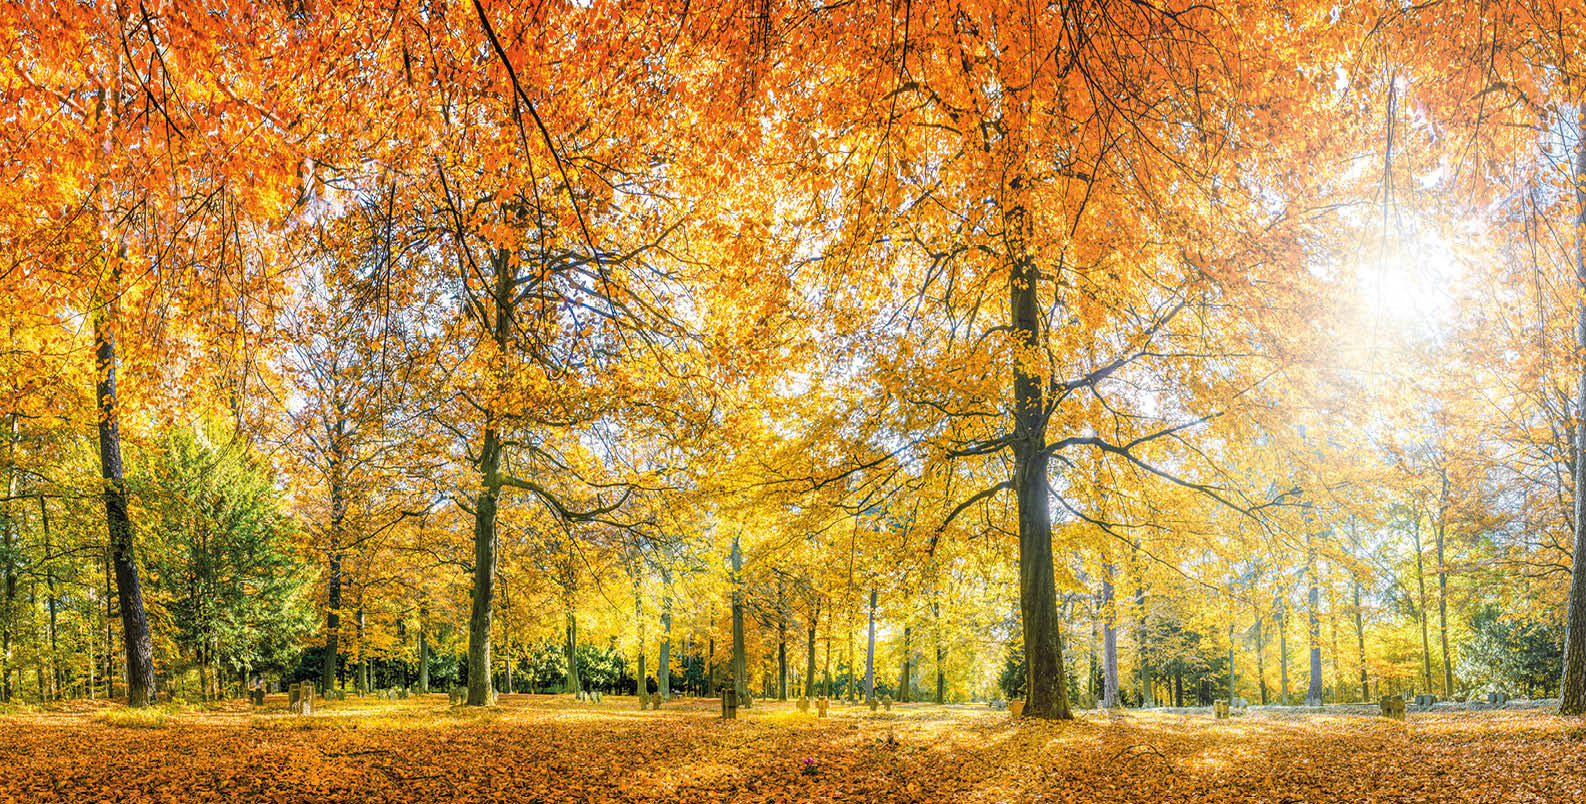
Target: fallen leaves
(539,748)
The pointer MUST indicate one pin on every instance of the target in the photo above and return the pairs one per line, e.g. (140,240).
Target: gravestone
(1016,708)
(1220,708)
(1393,706)
(874,704)
(729,702)
(804,704)
(821,707)
(886,701)
(1498,698)
(1425,700)
(402,693)
(300,699)
(595,696)
(747,701)
(341,695)
(457,696)
(655,701)
(644,701)
(257,696)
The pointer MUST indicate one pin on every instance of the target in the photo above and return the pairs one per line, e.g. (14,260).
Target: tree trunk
(1442,592)
(740,662)
(1281,613)
(663,668)
(574,684)
(1572,681)
(941,654)
(1313,695)
(1360,623)
(1261,650)
(424,652)
(1046,694)
(1420,578)
(641,685)
(338,521)
(1109,640)
(1233,678)
(905,676)
(809,655)
(134,619)
(481,691)
(8,572)
(870,652)
(1140,630)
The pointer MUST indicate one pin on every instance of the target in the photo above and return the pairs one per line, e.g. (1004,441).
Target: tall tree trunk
(809,653)
(8,570)
(1420,579)
(906,677)
(870,652)
(134,619)
(480,689)
(110,630)
(663,668)
(1233,677)
(781,644)
(1442,590)
(574,683)
(1572,681)
(1261,653)
(338,522)
(1109,639)
(1281,613)
(941,654)
(641,687)
(1046,694)
(424,651)
(1140,630)
(740,661)
(1360,623)
(1313,696)
(826,660)
(481,692)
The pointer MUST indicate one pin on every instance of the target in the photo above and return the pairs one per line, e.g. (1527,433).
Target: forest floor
(536,748)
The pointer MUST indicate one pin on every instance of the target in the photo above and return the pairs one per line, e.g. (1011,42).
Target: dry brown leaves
(537,748)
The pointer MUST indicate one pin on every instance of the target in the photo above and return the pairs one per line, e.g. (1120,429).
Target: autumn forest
(868,400)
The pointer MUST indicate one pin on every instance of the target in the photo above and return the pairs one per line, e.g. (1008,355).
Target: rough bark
(338,524)
(134,619)
(870,652)
(1572,681)
(1313,695)
(740,662)
(1046,694)
(1109,639)
(663,667)
(1442,591)
(481,691)
(809,655)
(1281,613)
(574,683)
(424,652)
(1420,579)
(906,676)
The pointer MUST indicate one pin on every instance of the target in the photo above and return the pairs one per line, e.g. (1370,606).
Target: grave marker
(1393,706)
(1016,708)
